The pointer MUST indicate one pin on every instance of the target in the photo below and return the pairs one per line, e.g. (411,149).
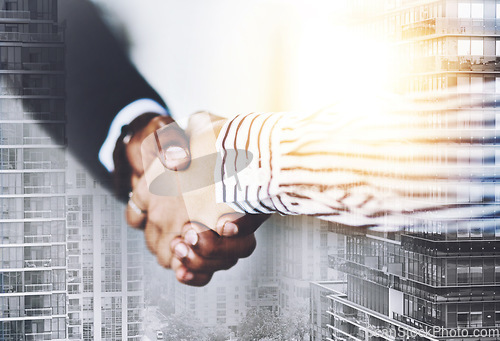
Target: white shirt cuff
(124,117)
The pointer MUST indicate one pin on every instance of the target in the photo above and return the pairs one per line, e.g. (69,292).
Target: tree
(297,322)
(218,333)
(261,324)
(183,327)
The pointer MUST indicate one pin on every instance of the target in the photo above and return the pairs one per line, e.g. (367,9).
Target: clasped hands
(191,249)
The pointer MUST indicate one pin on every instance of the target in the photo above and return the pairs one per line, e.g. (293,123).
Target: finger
(141,194)
(135,219)
(152,236)
(185,276)
(195,263)
(197,279)
(170,145)
(209,244)
(238,224)
(163,253)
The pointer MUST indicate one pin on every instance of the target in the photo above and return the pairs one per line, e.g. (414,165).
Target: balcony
(38,263)
(19,91)
(74,322)
(14,14)
(74,237)
(454,63)
(10,288)
(74,266)
(43,165)
(38,336)
(38,311)
(31,37)
(74,336)
(38,239)
(42,92)
(74,307)
(43,115)
(74,280)
(43,66)
(37,140)
(37,214)
(443,26)
(37,287)
(74,252)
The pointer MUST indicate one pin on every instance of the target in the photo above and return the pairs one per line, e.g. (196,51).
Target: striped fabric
(388,163)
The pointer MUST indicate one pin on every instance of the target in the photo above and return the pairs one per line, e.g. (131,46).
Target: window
(464,10)
(498,10)
(477,11)
(463,47)
(497,47)
(462,274)
(476,84)
(497,86)
(476,319)
(476,47)
(463,319)
(80,180)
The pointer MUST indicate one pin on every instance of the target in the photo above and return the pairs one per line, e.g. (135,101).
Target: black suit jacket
(100,81)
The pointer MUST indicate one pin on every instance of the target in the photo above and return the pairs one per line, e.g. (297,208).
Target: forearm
(388,169)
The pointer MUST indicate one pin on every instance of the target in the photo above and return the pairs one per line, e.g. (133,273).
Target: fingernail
(181,250)
(229,229)
(191,237)
(188,276)
(175,153)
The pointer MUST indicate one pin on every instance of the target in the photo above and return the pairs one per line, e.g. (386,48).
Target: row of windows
(31,133)
(29,109)
(18,158)
(33,232)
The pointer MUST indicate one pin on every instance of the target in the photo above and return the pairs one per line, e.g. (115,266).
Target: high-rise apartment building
(443,279)
(70,268)
(105,263)
(304,245)
(32,173)
(108,260)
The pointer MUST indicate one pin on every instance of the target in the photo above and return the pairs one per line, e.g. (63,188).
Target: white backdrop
(237,56)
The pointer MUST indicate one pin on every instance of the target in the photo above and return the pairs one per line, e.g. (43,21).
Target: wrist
(124,169)
(248,146)
(122,119)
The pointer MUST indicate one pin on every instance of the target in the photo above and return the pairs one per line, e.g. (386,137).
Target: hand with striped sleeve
(194,251)
(389,163)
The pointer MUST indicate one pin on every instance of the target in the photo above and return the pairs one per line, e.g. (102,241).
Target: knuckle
(230,264)
(249,247)
(163,261)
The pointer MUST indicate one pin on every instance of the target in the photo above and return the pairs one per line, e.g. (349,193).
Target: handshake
(173,181)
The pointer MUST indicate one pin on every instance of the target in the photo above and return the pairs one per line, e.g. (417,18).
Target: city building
(105,278)
(32,173)
(302,257)
(440,282)
(70,268)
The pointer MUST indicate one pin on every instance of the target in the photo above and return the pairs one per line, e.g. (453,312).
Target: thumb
(172,147)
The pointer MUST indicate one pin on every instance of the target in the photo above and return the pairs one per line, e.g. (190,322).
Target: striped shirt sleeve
(394,167)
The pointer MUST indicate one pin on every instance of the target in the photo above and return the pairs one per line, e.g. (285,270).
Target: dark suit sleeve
(100,81)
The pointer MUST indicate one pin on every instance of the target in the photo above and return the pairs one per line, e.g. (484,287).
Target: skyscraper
(70,268)
(105,263)
(443,279)
(32,173)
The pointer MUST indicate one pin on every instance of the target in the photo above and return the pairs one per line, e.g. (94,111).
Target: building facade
(105,278)
(442,279)
(70,268)
(32,173)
